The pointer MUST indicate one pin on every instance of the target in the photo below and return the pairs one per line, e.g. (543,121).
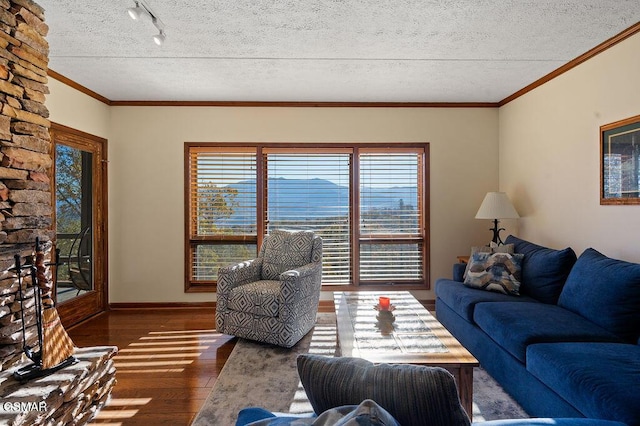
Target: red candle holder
(384,303)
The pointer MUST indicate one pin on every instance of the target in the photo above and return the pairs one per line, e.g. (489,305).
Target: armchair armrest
(302,271)
(301,282)
(235,275)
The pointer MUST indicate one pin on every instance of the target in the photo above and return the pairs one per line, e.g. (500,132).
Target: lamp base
(496,233)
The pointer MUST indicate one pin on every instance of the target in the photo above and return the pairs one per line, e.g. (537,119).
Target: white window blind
(311,191)
(391,221)
(207,258)
(223,193)
(222,210)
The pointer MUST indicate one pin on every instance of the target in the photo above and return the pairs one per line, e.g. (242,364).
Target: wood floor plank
(168,362)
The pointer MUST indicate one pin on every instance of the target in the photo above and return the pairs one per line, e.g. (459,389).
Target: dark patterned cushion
(495,272)
(412,394)
(284,250)
(505,248)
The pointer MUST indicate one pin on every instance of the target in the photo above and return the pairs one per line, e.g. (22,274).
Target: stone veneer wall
(25,157)
(74,394)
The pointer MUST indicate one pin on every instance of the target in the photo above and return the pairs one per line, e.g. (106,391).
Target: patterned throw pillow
(492,248)
(498,272)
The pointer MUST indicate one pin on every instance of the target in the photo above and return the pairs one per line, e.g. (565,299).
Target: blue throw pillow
(606,292)
(250,415)
(544,270)
(368,413)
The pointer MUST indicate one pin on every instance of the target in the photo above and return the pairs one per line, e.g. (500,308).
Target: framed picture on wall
(620,162)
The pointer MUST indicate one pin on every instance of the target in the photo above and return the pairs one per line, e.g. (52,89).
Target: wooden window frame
(355,148)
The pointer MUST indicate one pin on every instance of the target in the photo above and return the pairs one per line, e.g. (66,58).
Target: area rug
(266,376)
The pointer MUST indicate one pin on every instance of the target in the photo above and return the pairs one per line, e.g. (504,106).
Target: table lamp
(495,206)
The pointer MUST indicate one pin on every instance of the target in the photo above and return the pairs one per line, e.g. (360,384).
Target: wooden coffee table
(414,337)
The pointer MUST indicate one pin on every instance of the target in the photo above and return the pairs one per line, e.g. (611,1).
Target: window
(311,191)
(222,214)
(391,219)
(368,203)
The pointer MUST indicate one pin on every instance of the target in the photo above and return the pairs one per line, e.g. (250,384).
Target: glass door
(73,221)
(80,195)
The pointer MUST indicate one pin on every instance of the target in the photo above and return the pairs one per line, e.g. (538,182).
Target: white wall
(147,177)
(72,108)
(549,155)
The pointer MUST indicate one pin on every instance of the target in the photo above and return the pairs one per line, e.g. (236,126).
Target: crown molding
(303,104)
(632,30)
(62,79)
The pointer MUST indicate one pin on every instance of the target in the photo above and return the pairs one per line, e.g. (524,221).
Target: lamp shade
(496,205)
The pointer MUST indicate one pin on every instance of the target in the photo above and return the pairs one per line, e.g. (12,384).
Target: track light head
(159,38)
(136,12)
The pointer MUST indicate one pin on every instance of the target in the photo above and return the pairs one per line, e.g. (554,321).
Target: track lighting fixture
(159,38)
(141,9)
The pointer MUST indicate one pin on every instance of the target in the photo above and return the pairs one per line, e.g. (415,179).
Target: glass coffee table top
(407,334)
(404,329)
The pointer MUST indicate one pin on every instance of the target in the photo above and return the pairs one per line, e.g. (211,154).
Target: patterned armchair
(273,298)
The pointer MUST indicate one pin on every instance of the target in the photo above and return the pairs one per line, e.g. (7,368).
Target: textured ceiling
(325,50)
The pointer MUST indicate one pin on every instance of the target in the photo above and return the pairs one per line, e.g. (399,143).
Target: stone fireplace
(74,394)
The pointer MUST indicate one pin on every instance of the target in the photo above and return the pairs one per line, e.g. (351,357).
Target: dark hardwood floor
(168,362)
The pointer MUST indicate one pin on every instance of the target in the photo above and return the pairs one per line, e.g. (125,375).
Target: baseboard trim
(430,305)
(324,306)
(161,305)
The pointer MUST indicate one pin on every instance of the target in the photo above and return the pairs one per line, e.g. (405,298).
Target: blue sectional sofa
(568,344)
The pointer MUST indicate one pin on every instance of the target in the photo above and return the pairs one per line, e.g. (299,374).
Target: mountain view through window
(366,204)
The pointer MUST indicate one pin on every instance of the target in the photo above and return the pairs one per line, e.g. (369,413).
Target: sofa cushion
(544,270)
(258,298)
(285,250)
(463,299)
(413,394)
(498,272)
(602,380)
(514,326)
(606,291)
